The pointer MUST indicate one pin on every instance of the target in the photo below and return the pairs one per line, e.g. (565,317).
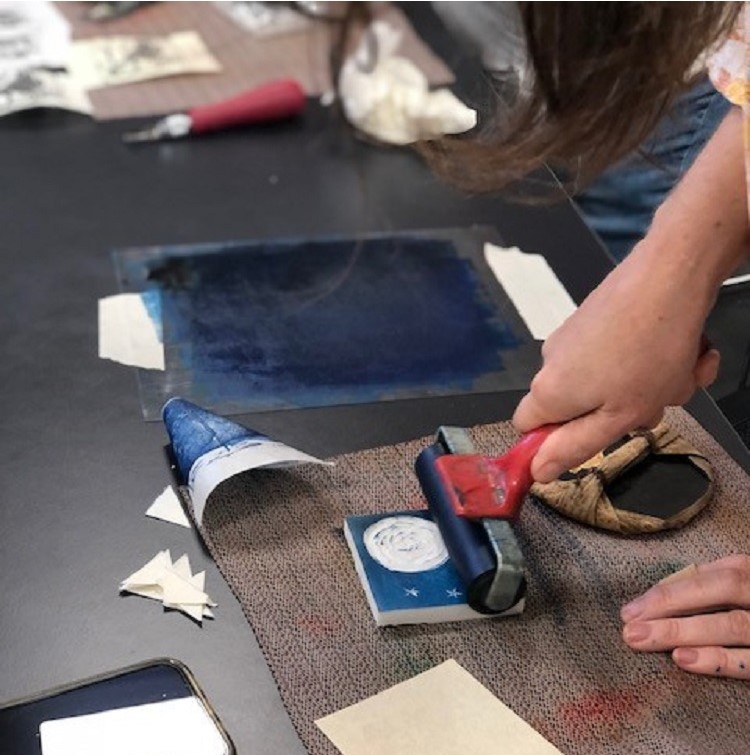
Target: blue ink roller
(473,500)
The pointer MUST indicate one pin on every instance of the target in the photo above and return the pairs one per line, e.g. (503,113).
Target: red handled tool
(482,487)
(274,101)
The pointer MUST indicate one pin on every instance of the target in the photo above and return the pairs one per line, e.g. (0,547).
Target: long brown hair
(604,73)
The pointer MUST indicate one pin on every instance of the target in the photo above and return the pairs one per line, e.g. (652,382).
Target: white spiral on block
(405,544)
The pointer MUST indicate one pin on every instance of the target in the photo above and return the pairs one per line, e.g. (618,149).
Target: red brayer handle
(514,467)
(273,101)
(491,487)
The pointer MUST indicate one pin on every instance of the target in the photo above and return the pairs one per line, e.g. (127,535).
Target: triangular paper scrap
(173,584)
(176,591)
(182,568)
(168,508)
(149,573)
(198,611)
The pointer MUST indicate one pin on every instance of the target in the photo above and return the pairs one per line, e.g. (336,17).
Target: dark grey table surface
(79,466)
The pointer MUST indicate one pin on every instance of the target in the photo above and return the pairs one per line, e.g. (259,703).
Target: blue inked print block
(404,568)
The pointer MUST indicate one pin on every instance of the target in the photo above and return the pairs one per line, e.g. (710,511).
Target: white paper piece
(109,61)
(128,333)
(170,727)
(737,280)
(197,612)
(40,88)
(443,711)
(32,35)
(390,99)
(537,293)
(177,591)
(173,584)
(148,573)
(181,567)
(264,19)
(168,508)
(198,581)
(224,462)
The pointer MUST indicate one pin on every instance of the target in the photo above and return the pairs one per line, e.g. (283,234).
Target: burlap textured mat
(562,666)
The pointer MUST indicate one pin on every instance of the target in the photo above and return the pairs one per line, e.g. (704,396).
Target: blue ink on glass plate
(252,326)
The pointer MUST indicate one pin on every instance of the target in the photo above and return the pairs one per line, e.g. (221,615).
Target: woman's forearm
(700,233)
(634,345)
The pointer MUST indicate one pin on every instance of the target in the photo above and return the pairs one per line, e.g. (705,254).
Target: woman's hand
(634,346)
(701,614)
(630,350)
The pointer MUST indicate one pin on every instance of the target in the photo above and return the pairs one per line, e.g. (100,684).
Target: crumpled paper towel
(391,100)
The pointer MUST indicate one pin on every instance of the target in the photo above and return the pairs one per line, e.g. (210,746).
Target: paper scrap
(170,727)
(173,584)
(182,568)
(265,19)
(34,40)
(40,88)
(537,293)
(32,35)
(443,711)
(389,98)
(168,508)
(109,61)
(128,333)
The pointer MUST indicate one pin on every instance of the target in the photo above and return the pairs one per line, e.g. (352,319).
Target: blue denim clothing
(620,204)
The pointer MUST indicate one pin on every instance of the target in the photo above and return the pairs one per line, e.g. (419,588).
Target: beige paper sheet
(113,61)
(537,293)
(127,333)
(443,711)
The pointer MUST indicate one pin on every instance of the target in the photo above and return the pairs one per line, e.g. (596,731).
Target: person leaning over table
(603,75)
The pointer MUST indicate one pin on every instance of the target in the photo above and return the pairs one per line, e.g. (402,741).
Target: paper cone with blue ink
(210,449)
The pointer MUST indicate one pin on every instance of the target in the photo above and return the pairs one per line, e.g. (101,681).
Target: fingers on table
(699,613)
(714,661)
(707,587)
(725,629)
(738,561)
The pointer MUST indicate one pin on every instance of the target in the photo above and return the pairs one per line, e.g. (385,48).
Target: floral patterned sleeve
(729,70)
